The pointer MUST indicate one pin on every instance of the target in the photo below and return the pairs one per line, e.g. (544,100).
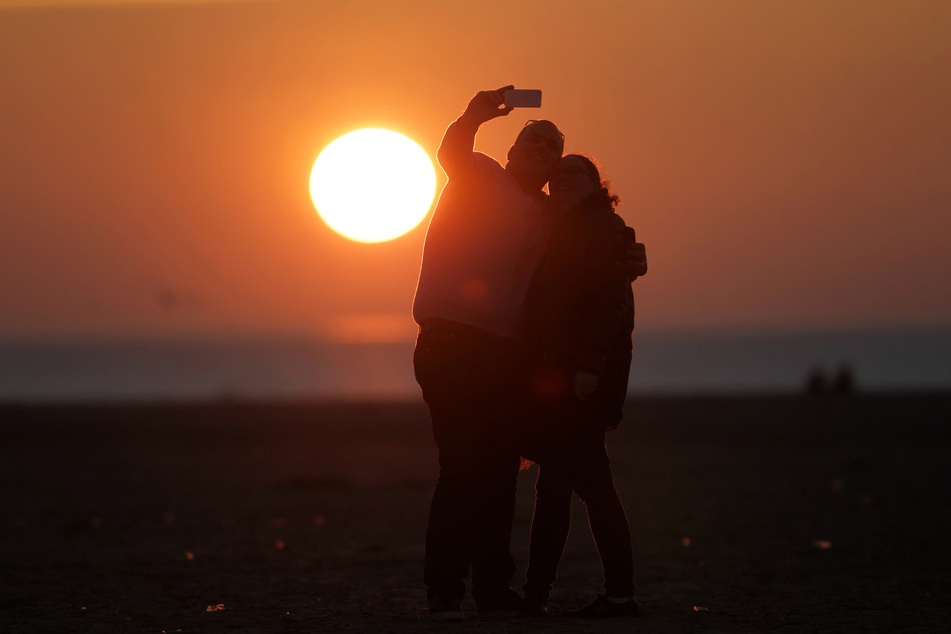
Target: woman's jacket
(581,308)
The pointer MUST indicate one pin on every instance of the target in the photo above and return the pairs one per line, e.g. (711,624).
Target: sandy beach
(749,514)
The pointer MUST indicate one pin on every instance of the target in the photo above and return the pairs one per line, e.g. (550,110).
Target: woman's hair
(591,167)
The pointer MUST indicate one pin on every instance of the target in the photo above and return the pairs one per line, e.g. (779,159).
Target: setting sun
(373,185)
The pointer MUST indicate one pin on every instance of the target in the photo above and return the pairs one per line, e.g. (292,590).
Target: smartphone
(523,98)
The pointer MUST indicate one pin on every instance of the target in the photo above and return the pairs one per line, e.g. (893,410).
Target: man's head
(536,150)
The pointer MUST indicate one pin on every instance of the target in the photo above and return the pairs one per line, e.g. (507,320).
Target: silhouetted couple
(524,349)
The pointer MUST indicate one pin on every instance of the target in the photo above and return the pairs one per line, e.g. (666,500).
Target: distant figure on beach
(580,320)
(817,382)
(486,236)
(844,380)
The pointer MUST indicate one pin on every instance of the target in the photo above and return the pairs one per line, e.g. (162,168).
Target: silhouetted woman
(581,315)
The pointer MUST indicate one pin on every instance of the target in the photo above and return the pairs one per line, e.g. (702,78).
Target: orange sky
(788,163)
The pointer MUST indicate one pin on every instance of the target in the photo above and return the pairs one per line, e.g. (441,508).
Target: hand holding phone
(523,98)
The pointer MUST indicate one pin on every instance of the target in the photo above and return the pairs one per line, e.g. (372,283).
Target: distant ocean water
(289,368)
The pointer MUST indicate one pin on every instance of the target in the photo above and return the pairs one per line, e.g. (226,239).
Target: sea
(299,368)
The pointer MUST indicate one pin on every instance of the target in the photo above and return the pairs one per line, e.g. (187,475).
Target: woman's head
(573,178)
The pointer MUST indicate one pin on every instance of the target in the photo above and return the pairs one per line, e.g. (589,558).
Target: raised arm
(458,142)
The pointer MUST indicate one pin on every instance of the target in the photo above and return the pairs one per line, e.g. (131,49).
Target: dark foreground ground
(788,514)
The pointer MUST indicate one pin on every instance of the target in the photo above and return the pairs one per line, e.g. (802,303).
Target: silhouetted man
(484,241)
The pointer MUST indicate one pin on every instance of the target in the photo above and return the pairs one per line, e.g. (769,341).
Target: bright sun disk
(373,185)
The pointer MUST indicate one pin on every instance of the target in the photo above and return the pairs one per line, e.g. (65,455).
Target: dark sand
(749,515)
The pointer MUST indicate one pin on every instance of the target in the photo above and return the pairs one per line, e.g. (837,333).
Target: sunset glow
(157,156)
(373,185)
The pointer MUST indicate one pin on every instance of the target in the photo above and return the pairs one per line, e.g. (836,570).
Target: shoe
(602,608)
(506,601)
(449,611)
(534,606)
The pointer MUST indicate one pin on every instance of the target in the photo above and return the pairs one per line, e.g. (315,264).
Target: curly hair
(591,167)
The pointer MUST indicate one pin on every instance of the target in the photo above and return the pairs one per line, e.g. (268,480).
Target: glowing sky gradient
(788,163)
